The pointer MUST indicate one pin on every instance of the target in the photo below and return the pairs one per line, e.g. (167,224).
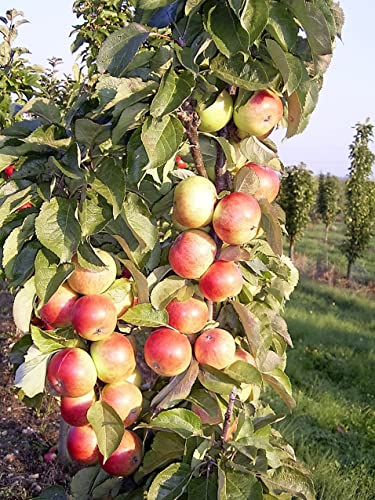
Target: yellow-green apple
(192,253)
(127,457)
(167,352)
(125,398)
(57,312)
(269,181)
(74,410)
(194,201)
(259,114)
(71,372)
(135,378)
(217,115)
(221,280)
(113,358)
(188,316)
(236,218)
(90,282)
(216,348)
(82,445)
(94,317)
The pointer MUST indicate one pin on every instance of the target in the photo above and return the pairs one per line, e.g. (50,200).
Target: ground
(25,435)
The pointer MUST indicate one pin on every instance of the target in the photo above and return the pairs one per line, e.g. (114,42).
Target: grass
(332,369)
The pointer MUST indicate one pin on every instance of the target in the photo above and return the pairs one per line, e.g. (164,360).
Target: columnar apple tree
(151,296)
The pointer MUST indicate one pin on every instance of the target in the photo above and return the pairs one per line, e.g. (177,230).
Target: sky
(346,99)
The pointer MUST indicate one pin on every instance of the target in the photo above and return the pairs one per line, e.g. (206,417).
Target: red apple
(222,280)
(71,372)
(8,171)
(25,205)
(216,348)
(82,445)
(94,317)
(194,201)
(242,355)
(191,253)
(74,410)
(180,162)
(57,312)
(236,218)
(269,182)
(125,398)
(188,316)
(113,357)
(127,457)
(260,114)
(167,352)
(88,282)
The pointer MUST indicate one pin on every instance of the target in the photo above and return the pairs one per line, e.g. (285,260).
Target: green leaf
(242,486)
(226,31)
(209,403)
(300,106)
(256,151)
(94,214)
(252,75)
(216,381)
(227,148)
(171,483)
(120,290)
(244,372)
(24,263)
(165,448)
(254,17)
(15,241)
(52,341)
(23,306)
(250,325)
(108,427)
(129,119)
(85,481)
(271,226)
(145,315)
(178,389)
(30,376)
(246,181)
(280,382)
(183,422)
(152,4)
(129,91)
(280,326)
(53,493)
(203,488)
(161,139)
(140,281)
(173,91)
(140,221)
(43,108)
(90,133)
(119,49)
(49,275)
(290,480)
(57,228)
(191,5)
(10,203)
(282,26)
(165,290)
(109,181)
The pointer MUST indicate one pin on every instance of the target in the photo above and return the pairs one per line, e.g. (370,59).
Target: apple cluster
(109,366)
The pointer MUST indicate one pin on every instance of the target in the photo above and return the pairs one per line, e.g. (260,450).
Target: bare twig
(228,415)
(222,177)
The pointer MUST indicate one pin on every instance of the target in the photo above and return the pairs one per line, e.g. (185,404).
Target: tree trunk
(291,249)
(326,235)
(63,455)
(349,270)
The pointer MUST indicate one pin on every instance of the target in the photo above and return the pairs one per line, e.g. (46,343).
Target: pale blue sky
(347,96)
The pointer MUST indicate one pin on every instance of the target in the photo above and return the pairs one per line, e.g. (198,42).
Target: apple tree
(328,200)
(141,237)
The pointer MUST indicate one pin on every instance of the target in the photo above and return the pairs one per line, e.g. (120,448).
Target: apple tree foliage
(360,195)
(101,172)
(328,200)
(296,199)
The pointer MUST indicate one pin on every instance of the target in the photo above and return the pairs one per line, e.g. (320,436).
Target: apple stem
(190,119)
(228,414)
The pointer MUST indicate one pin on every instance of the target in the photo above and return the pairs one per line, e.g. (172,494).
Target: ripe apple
(135,378)
(94,317)
(260,114)
(113,358)
(193,202)
(269,182)
(221,280)
(236,218)
(88,282)
(82,445)
(8,171)
(71,372)
(167,352)
(57,312)
(216,348)
(127,457)
(28,204)
(180,162)
(74,410)
(125,398)
(192,253)
(242,355)
(217,115)
(188,316)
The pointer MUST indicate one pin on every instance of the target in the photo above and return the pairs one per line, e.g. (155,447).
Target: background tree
(327,200)
(296,198)
(360,195)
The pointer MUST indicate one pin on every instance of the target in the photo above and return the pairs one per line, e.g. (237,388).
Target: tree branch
(190,119)
(223,178)
(228,415)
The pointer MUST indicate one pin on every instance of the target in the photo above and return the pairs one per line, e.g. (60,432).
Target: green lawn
(332,369)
